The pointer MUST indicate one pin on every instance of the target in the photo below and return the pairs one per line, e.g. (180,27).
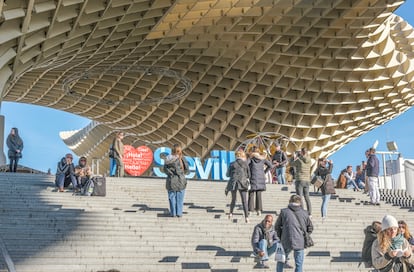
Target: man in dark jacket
(290,227)
(264,240)
(372,170)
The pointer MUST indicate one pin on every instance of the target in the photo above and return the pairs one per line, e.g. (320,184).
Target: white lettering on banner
(216,166)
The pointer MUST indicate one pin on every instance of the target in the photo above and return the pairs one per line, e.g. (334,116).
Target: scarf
(397,242)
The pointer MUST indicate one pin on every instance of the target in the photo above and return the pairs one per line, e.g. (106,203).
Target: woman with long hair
(239,173)
(405,231)
(176,167)
(15,145)
(391,251)
(324,170)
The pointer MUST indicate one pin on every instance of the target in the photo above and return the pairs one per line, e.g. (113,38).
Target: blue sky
(39,127)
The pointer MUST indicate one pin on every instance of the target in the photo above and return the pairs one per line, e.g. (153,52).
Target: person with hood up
(65,174)
(290,226)
(176,167)
(15,145)
(259,166)
(391,252)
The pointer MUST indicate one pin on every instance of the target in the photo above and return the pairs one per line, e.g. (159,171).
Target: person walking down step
(302,163)
(290,226)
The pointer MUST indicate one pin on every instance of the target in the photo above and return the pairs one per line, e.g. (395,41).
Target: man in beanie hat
(391,251)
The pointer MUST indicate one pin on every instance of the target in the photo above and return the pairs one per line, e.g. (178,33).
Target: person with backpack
(391,252)
(239,173)
(370,236)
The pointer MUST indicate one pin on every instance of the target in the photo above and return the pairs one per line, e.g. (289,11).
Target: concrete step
(130,230)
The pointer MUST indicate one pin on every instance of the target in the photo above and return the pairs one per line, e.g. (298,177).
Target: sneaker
(230,216)
(287,266)
(259,213)
(247,220)
(377,204)
(262,265)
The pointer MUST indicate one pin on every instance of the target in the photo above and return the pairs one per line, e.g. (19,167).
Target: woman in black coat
(239,174)
(259,166)
(15,145)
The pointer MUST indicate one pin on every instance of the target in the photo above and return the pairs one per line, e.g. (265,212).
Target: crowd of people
(388,245)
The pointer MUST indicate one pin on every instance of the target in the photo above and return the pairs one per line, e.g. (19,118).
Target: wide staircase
(130,229)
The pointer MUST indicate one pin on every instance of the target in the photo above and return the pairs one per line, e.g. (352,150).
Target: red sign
(137,160)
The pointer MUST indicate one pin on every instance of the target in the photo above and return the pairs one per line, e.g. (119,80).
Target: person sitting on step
(65,173)
(264,241)
(82,172)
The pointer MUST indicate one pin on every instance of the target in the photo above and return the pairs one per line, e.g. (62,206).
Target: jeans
(302,189)
(13,164)
(374,193)
(268,251)
(60,180)
(243,195)
(298,254)
(120,169)
(176,200)
(112,167)
(324,207)
(280,173)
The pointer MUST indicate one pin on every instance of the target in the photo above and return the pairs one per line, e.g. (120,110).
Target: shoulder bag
(308,239)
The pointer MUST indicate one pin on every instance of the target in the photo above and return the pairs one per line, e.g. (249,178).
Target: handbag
(317,181)
(306,236)
(280,255)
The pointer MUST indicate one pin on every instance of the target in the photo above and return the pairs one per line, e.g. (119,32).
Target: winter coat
(302,166)
(259,166)
(381,260)
(327,187)
(14,142)
(176,180)
(289,229)
(239,173)
(370,237)
(259,233)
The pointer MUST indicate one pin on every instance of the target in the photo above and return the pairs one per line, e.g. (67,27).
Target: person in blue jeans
(176,167)
(290,226)
(324,170)
(65,174)
(264,241)
(279,160)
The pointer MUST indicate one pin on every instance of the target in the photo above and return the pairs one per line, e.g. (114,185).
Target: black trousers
(243,195)
(255,204)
